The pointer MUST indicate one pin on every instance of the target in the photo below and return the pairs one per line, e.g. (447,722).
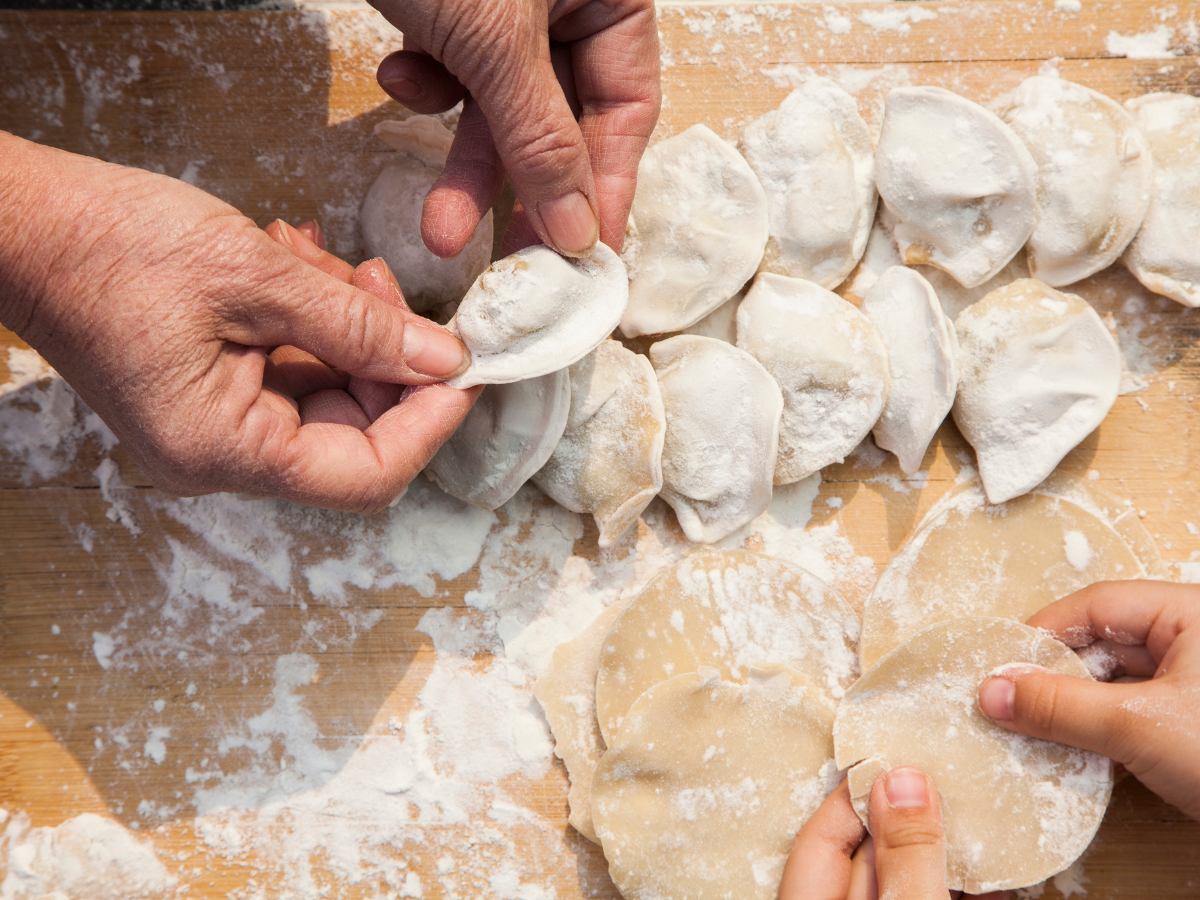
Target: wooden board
(273,113)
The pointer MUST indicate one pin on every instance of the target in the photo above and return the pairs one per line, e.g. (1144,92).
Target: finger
(374,397)
(375,277)
(906,824)
(863,883)
(1075,711)
(332,408)
(333,466)
(347,328)
(312,230)
(819,864)
(537,137)
(303,247)
(469,185)
(418,81)
(295,373)
(519,234)
(1108,661)
(616,64)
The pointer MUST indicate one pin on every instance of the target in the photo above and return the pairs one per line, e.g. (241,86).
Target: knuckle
(1039,704)
(547,156)
(911,828)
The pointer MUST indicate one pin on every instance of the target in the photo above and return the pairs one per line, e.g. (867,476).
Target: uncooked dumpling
(609,460)
(1039,372)
(961,183)
(1015,809)
(816,162)
(921,348)
(828,360)
(881,255)
(1165,255)
(722,409)
(696,232)
(508,435)
(567,693)
(709,782)
(728,609)
(537,312)
(391,217)
(721,323)
(1094,176)
(970,558)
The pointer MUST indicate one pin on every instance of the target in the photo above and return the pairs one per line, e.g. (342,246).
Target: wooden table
(273,112)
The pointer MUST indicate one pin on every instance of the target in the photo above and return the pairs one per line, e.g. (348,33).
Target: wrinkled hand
(527,68)
(1144,629)
(160,305)
(833,857)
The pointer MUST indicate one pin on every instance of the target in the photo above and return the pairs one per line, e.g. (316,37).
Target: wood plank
(273,112)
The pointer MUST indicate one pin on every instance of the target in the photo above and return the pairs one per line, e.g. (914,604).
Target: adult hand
(1143,629)
(833,857)
(160,304)
(527,68)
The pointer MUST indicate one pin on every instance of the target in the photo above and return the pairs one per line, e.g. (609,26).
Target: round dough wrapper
(1039,372)
(567,694)
(609,460)
(960,182)
(970,558)
(816,161)
(708,783)
(536,312)
(921,348)
(882,254)
(722,409)
(506,437)
(1094,176)
(829,362)
(391,217)
(721,323)
(1015,809)
(729,610)
(1165,255)
(696,232)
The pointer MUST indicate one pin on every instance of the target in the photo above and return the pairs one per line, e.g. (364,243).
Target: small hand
(1145,629)
(833,858)
(527,69)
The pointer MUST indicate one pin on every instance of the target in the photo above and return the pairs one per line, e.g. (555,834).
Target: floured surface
(727,610)
(194,107)
(1016,810)
(972,558)
(708,782)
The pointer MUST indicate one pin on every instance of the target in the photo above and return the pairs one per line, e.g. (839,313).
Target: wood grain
(273,112)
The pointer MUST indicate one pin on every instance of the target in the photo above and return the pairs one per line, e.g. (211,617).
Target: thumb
(536,135)
(906,825)
(1087,714)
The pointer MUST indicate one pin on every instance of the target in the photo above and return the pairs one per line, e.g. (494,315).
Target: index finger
(616,67)
(1132,613)
(819,865)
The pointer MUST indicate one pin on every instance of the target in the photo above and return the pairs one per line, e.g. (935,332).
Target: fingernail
(906,788)
(570,221)
(401,88)
(433,351)
(319,236)
(996,698)
(301,241)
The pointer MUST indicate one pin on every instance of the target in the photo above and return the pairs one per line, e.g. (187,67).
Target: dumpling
(881,255)
(696,232)
(536,312)
(960,182)
(816,162)
(721,323)
(508,435)
(609,460)
(1039,373)
(1094,176)
(722,411)
(391,217)
(1165,255)
(829,362)
(921,348)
